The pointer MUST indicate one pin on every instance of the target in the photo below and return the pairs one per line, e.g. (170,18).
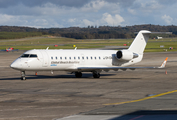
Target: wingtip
(164,63)
(166,59)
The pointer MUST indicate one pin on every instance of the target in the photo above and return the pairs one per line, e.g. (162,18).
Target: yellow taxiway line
(146,98)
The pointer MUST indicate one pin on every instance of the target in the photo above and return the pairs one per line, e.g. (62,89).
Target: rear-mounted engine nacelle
(125,55)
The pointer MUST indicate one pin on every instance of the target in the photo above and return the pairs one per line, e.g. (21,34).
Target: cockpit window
(33,55)
(25,55)
(29,55)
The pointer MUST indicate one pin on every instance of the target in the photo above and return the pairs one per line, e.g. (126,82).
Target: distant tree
(92,32)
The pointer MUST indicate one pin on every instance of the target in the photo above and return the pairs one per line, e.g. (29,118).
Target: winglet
(164,63)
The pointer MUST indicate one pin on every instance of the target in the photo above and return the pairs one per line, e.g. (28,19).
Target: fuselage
(68,60)
(78,61)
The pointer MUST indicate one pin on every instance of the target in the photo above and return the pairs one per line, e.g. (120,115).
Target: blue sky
(82,13)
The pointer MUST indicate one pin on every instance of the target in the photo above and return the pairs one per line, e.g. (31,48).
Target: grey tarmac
(62,96)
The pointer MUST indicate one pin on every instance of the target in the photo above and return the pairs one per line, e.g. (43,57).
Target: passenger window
(87,58)
(74,58)
(91,57)
(52,58)
(60,58)
(99,57)
(70,58)
(56,57)
(65,58)
(83,58)
(95,58)
(79,58)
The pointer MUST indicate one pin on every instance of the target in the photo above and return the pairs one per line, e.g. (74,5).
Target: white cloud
(147,6)
(72,20)
(49,14)
(132,11)
(66,13)
(112,20)
(4,18)
(94,5)
(167,19)
(31,21)
(87,22)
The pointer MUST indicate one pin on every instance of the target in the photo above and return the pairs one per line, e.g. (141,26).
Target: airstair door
(45,58)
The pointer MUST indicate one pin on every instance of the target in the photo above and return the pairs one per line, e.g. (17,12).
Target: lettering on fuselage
(65,62)
(107,57)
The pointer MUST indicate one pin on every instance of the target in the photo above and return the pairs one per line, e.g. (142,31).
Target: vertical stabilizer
(139,43)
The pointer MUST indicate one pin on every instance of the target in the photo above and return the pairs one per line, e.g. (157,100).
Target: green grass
(154,45)
(67,43)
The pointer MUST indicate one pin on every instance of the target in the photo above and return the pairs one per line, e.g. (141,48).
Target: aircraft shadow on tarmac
(63,76)
(149,115)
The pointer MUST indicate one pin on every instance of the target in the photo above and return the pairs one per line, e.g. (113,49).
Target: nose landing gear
(23,75)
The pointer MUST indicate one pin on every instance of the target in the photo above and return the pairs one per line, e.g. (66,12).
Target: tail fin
(139,43)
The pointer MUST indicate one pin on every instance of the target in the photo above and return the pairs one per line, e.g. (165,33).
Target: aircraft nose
(14,65)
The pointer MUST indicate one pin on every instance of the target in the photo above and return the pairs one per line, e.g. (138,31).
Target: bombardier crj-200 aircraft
(78,61)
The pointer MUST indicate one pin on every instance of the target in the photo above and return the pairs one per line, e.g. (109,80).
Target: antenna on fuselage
(75,48)
(47,48)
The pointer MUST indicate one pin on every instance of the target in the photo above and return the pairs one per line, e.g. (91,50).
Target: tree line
(94,32)
(16,35)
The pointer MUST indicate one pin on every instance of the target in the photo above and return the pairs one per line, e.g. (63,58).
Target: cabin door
(45,59)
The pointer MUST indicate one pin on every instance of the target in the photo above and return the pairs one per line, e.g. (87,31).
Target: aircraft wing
(122,68)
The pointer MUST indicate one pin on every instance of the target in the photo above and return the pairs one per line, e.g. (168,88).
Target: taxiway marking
(146,98)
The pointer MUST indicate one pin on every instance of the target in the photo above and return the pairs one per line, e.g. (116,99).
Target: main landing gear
(95,74)
(23,75)
(78,74)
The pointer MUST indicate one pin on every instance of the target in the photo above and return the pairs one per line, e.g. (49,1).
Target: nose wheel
(23,75)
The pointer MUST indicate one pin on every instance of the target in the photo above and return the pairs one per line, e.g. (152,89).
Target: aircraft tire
(78,74)
(23,78)
(96,75)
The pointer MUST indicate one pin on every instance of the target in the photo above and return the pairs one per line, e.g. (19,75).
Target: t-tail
(136,49)
(139,43)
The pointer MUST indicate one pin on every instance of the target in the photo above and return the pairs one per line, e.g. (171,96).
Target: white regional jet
(78,61)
